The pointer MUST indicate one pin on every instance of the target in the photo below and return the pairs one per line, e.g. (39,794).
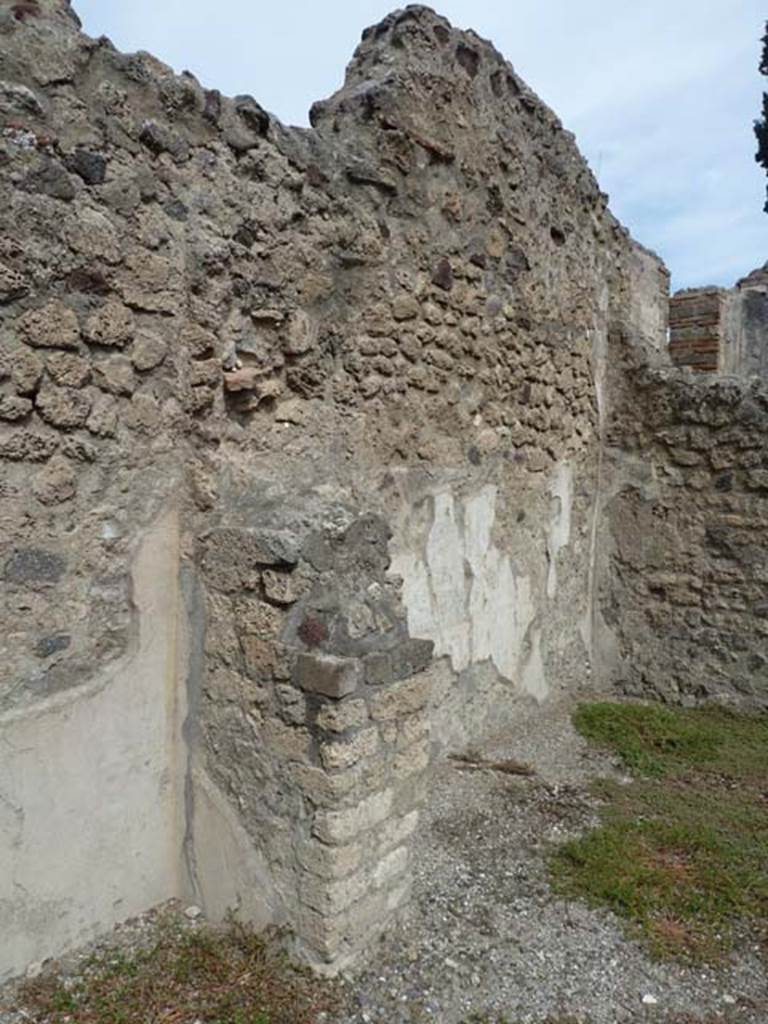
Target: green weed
(218,976)
(681,851)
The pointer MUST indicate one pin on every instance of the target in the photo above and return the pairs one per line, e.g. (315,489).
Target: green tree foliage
(761,126)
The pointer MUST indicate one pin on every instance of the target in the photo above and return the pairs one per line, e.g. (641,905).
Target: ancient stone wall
(302,447)
(684,576)
(684,592)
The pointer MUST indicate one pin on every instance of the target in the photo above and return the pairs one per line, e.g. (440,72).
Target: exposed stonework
(376,375)
(685,576)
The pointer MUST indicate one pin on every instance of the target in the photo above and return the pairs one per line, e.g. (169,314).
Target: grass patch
(682,851)
(657,741)
(222,976)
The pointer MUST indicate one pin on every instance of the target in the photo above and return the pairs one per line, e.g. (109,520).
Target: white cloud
(661,95)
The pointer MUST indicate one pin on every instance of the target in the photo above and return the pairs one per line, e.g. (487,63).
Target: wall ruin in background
(320,450)
(722,330)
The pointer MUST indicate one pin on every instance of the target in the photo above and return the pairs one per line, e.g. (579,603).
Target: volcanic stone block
(34,566)
(328,675)
(53,326)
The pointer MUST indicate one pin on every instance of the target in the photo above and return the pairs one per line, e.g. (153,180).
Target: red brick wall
(695,323)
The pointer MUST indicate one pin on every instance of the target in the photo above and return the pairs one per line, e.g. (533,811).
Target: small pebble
(649,1000)
(193,913)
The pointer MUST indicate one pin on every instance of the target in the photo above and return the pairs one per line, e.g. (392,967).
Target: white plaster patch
(534,677)
(231,874)
(559,537)
(90,786)
(460,590)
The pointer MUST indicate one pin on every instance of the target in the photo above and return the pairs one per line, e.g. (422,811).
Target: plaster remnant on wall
(89,771)
(231,875)
(534,679)
(561,490)
(461,591)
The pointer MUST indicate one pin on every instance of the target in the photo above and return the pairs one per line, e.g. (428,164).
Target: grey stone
(17,99)
(68,369)
(212,105)
(65,408)
(443,275)
(115,374)
(13,407)
(361,173)
(161,139)
(51,179)
(366,544)
(378,668)
(56,483)
(47,646)
(28,446)
(148,351)
(34,566)
(230,552)
(91,167)
(26,371)
(327,675)
(411,657)
(254,115)
(13,285)
(176,210)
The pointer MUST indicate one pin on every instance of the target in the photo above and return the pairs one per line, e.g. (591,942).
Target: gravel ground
(485,935)
(484,939)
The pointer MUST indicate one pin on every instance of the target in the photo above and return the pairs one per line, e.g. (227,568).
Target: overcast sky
(661,95)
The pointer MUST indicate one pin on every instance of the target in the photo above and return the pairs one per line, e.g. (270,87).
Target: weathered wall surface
(90,805)
(684,592)
(367,365)
(697,339)
(722,330)
(684,569)
(746,327)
